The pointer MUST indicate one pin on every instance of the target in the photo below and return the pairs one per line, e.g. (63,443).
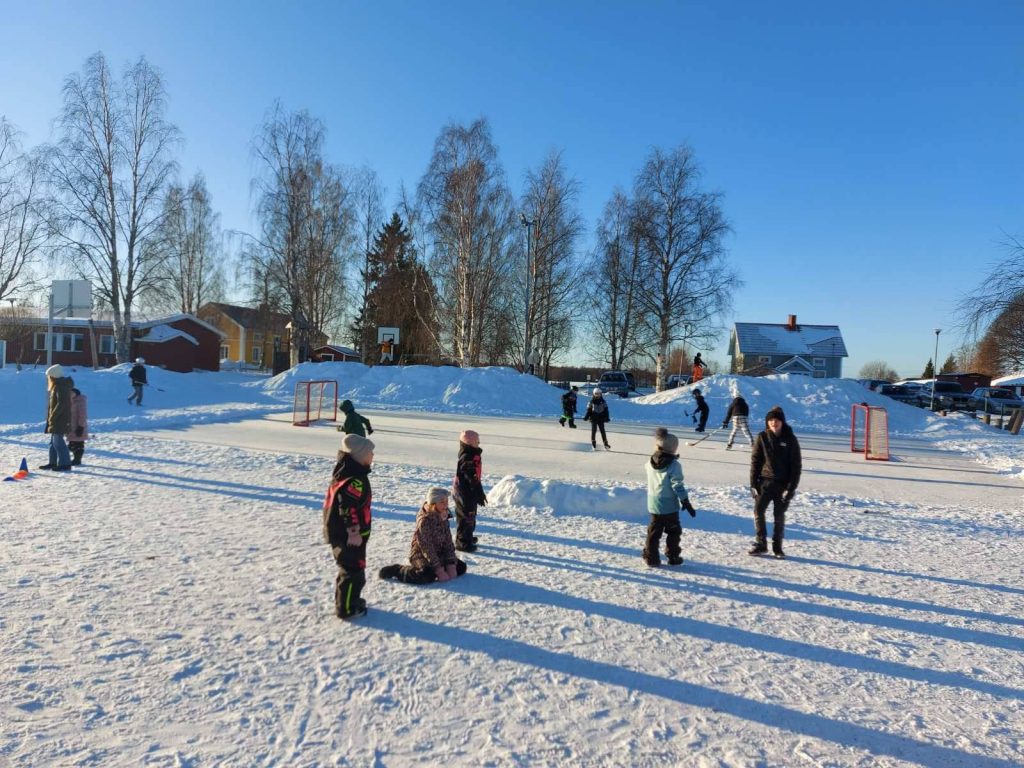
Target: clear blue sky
(870,154)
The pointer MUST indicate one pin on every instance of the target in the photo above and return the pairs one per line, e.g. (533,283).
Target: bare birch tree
(190,263)
(23,233)
(306,225)
(368,196)
(550,203)
(108,173)
(612,284)
(468,212)
(688,282)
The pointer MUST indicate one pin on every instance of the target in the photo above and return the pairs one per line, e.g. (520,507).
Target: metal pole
(526,328)
(935,366)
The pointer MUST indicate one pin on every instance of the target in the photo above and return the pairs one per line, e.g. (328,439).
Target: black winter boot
(390,571)
(759,548)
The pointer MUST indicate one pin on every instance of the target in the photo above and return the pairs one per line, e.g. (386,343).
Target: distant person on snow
(469,490)
(138,376)
(354,423)
(58,418)
(702,409)
(347,522)
(569,407)
(533,361)
(666,495)
(79,429)
(775,466)
(698,369)
(432,553)
(597,414)
(738,411)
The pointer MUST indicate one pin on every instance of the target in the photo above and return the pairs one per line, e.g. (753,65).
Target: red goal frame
(869,431)
(311,397)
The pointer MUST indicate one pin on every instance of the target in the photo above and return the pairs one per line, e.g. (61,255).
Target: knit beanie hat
(359,448)
(436,494)
(470,437)
(665,441)
(55,372)
(775,413)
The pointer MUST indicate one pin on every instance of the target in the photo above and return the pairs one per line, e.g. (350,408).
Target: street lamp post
(526,329)
(935,366)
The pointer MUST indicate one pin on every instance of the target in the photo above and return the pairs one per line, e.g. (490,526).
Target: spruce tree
(950,365)
(929,370)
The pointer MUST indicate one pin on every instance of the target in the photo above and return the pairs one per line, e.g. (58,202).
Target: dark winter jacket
(701,405)
(354,423)
(597,411)
(432,546)
(348,501)
(738,407)
(138,374)
(79,418)
(665,488)
(58,412)
(776,458)
(469,490)
(569,402)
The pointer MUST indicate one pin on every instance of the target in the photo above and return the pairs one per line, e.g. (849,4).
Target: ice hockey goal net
(869,432)
(315,401)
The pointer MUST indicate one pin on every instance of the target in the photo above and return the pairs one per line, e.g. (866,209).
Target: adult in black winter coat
(775,466)
(702,410)
(138,376)
(597,414)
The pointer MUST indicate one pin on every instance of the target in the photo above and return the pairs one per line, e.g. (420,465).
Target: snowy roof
(181,316)
(347,351)
(161,333)
(779,339)
(1012,379)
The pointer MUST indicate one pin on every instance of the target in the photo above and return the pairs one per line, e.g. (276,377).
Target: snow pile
(614,502)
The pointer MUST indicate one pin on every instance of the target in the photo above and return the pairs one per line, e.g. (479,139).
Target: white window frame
(225,350)
(257,353)
(39,341)
(69,342)
(766,359)
(818,362)
(106,346)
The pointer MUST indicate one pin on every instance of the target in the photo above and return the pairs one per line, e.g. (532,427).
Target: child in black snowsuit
(354,423)
(347,522)
(469,491)
(569,408)
(597,414)
(702,409)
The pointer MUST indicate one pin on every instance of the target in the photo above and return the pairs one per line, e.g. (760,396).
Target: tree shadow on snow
(771,715)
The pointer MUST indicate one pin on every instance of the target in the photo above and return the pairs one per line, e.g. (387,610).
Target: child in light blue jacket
(666,495)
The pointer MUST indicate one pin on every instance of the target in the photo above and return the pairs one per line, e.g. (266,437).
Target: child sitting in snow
(432,554)
(469,491)
(666,495)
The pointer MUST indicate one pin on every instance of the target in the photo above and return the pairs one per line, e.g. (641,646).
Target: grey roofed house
(805,350)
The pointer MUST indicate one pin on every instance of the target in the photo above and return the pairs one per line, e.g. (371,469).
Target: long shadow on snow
(670,578)
(908,575)
(690,694)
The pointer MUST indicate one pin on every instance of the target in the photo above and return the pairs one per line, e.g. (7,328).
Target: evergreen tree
(950,365)
(929,370)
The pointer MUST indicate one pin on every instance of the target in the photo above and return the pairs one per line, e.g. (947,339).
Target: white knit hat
(55,372)
(359,448)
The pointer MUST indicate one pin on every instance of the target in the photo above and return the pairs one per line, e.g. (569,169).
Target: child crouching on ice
(666,495)
(432,554)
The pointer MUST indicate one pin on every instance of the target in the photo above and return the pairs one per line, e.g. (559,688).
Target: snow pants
(465,514)
(410,575)
(567,415)
(348,585)
(669,525)
(594,426)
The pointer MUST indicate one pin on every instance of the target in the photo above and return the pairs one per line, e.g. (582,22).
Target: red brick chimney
(791,323)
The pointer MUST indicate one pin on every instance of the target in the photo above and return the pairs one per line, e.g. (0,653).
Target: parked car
(614,383)
(899,393)
(872,384)
(994,400)
(677,380)
(949,396)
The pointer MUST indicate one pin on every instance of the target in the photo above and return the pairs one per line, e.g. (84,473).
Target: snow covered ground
(169,602)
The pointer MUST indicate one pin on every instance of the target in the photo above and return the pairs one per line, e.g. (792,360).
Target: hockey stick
(709,434)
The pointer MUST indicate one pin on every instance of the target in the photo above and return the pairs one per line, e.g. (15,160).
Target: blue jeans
(60,456)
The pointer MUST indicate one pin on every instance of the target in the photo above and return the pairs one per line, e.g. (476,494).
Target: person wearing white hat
(58,418)
(432,553)
(138,376)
